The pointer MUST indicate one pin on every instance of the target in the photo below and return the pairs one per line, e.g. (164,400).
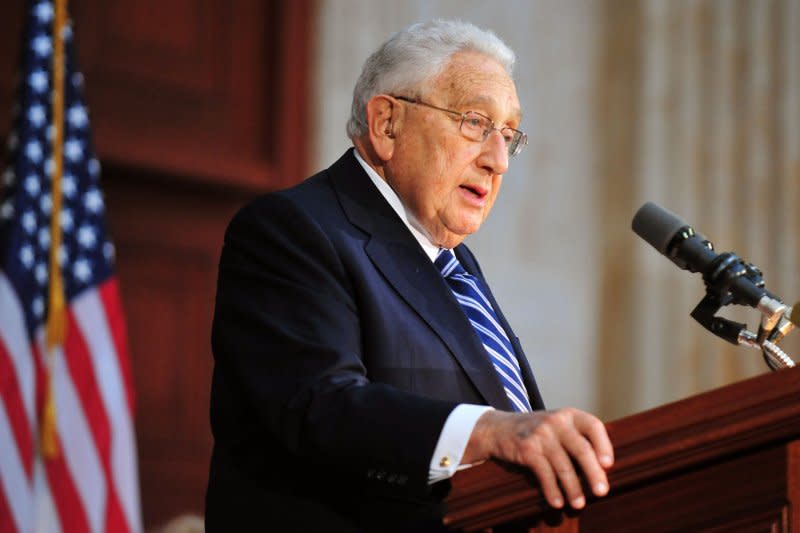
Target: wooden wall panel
(196,106)
(211,90)
(168,240)
(10,37)
(204,102)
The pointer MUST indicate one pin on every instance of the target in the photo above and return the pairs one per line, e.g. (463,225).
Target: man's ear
(383,116)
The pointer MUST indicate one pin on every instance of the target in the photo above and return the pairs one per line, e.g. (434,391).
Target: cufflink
(445,462)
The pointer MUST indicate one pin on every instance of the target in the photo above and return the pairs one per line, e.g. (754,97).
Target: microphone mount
(729,280)
(725,270)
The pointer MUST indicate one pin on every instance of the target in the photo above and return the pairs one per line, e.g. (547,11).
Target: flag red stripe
(91,315)
(7,524)
(68,504)
(115,518)
(11,396)
(64,494)
(82,374)
(109,295)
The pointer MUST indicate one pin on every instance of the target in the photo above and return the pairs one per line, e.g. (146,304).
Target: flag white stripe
(80,453)
(14,482)
(13,335)
(47,520)
(92,321)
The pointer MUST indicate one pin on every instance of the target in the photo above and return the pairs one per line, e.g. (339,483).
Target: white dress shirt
(458,427)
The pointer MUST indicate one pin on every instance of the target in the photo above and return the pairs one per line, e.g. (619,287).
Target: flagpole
(56,316)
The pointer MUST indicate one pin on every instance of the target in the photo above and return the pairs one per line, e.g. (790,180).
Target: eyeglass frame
(522,140)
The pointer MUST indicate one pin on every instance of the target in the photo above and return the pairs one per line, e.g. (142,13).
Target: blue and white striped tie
(468,292)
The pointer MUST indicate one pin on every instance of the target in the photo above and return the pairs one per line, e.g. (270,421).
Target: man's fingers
(595,431)
(584,454)
(592,450)
(567,477)
(547,480)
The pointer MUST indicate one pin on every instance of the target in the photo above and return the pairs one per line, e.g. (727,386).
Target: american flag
(91,483)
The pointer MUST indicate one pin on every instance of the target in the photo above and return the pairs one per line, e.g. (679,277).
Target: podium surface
(724,460)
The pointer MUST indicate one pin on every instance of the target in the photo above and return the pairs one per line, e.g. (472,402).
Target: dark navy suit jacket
(339,353)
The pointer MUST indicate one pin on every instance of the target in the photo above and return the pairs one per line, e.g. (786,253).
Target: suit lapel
(398,256)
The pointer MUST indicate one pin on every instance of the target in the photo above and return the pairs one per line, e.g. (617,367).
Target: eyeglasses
(477,127)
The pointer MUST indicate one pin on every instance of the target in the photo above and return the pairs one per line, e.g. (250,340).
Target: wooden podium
(725,460)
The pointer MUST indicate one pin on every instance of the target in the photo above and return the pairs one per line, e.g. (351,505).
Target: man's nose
(494,153)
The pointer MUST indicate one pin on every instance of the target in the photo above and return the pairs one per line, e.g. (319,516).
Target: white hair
(413,57)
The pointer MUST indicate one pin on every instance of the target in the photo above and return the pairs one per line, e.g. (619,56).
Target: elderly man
(360,357)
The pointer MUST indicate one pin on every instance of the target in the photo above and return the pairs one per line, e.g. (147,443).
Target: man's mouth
(476,190)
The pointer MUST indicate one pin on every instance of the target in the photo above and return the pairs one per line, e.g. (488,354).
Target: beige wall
(704,97)
(692,104)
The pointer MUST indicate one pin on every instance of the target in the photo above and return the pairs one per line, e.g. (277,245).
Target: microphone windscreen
(656,225)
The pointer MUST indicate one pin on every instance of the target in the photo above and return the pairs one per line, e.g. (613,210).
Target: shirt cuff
(453,441)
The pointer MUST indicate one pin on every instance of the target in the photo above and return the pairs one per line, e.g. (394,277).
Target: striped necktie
(471,296)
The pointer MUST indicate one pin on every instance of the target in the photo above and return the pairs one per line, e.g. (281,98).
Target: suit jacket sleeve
(288,339)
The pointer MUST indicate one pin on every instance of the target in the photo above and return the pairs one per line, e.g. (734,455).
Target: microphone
(726,274)
(728,280)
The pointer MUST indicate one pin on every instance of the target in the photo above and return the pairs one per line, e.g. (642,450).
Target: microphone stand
(775,315)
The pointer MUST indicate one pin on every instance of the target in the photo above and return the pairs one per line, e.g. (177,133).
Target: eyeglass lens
(477,127)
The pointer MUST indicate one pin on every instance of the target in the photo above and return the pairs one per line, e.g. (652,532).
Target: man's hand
(547,442)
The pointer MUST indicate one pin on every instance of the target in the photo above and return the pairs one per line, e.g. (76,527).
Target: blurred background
(197,106)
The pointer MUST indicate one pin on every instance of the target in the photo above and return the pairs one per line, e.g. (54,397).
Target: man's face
(447,181)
